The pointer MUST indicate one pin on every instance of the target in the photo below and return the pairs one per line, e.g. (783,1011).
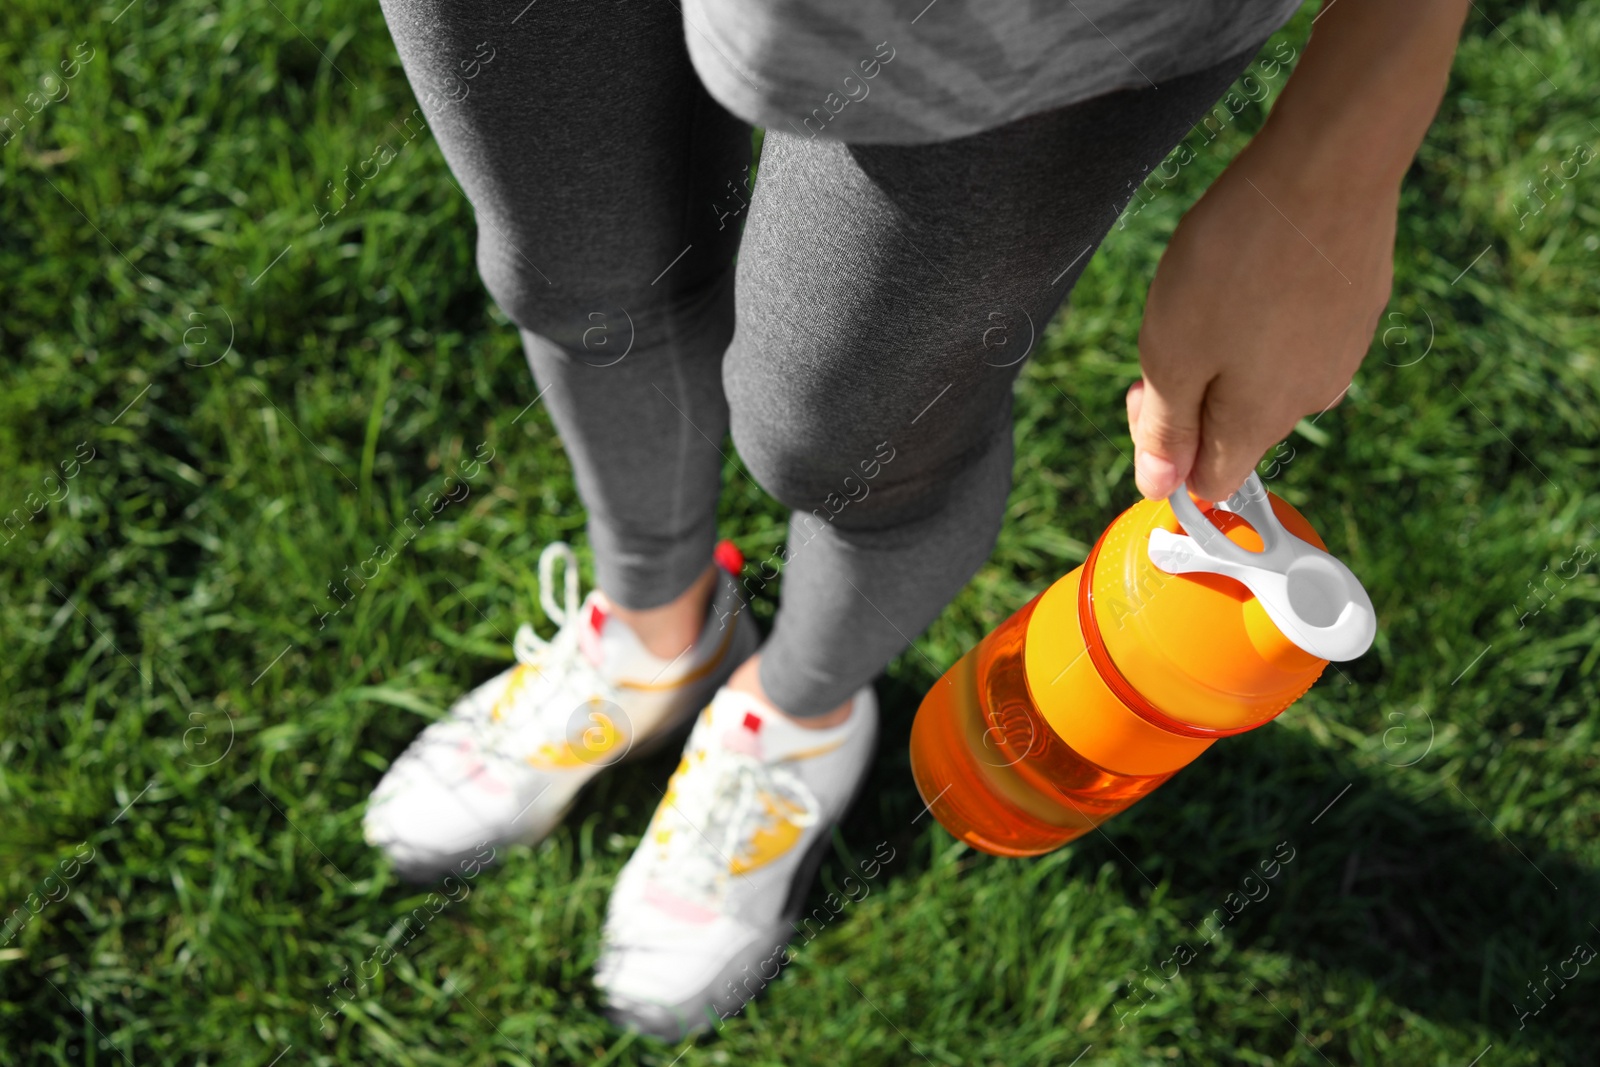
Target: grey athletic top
(912,72)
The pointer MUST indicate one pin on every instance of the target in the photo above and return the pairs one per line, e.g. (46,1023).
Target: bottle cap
(1311,596)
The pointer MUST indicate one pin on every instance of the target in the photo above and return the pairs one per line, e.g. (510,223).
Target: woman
(932,184)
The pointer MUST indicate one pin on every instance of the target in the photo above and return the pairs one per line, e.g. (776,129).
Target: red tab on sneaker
(589,636)
(746,737)
(728,557)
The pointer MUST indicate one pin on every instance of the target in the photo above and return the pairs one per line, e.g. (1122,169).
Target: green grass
(184,751)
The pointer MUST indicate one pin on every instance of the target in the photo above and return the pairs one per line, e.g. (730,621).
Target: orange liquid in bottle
(993,772)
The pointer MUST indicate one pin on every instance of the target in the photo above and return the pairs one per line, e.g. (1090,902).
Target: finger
(1165,421)
(1231,441)
(1135,403)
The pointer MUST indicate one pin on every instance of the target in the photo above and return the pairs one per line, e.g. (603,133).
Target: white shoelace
(529,644)
(556,679)
(715,808)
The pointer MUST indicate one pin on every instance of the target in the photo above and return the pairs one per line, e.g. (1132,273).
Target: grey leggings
(884,298)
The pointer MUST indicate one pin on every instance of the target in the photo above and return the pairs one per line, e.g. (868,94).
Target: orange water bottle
(1180,627)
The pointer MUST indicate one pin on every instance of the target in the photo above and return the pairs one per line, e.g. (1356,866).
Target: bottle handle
(1315,599)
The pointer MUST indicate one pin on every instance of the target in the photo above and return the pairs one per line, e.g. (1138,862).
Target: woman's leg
(604,179)
(886,297)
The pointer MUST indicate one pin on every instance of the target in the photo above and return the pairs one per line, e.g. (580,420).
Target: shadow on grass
(1427,899)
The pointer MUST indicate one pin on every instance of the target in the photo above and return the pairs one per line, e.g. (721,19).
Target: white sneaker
(506,764)
(702,912)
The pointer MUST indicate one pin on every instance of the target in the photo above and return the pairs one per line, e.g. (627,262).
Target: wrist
(1367,86)
(1341,173)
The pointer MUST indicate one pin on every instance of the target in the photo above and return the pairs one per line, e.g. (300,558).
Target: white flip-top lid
(1311,596)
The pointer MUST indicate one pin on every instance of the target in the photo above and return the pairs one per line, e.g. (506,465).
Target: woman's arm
(1268,295)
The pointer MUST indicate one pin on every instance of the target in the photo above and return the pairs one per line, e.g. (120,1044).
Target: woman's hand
(1263,306)
(1268,295)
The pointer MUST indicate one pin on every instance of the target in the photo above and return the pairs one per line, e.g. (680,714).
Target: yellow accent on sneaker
(598,740)
(772,840)
(519,675)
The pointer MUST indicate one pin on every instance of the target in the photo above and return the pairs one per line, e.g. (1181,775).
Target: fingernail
(1157,477)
